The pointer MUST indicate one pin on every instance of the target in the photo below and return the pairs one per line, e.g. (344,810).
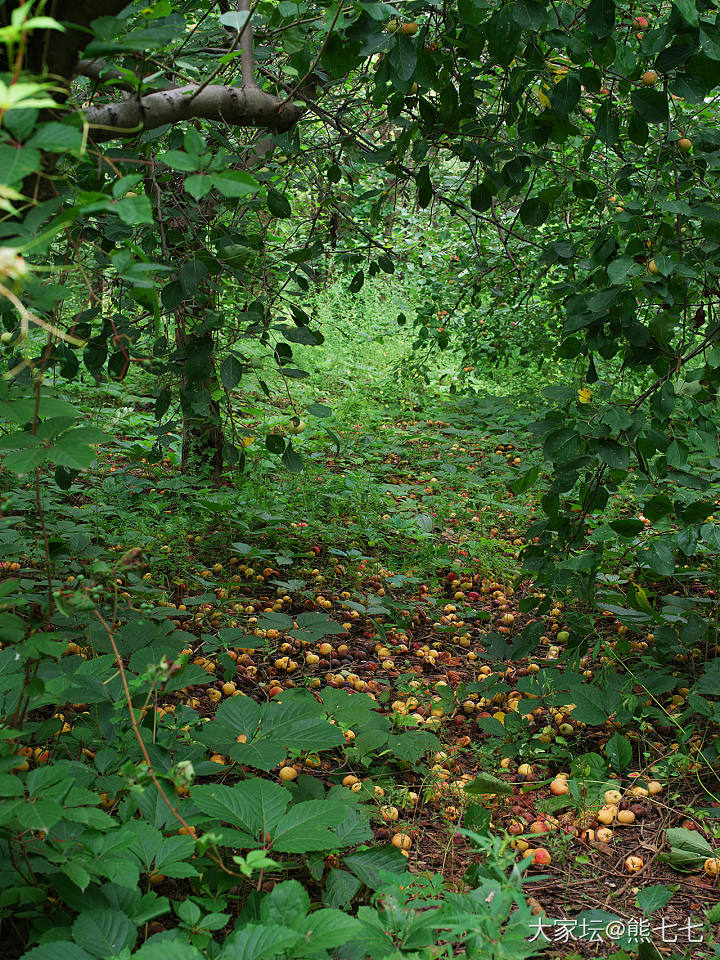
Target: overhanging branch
(238,106)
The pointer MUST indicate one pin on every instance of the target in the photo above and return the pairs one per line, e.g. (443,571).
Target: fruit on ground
(633,864)
(402,841)
(559,787)
(287,773)
(712,867)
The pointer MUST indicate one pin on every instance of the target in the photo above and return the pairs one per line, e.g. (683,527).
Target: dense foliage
(195,196)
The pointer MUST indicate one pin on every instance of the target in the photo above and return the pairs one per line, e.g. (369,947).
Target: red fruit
(541,857)
(642,23)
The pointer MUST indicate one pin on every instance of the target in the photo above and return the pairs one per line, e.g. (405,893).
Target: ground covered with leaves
(359,641)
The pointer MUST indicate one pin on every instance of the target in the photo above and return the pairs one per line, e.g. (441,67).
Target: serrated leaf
(104,933)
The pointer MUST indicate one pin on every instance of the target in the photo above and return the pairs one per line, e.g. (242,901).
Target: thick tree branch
(238,106)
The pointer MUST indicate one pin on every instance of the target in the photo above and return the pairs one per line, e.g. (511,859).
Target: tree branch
(249,107)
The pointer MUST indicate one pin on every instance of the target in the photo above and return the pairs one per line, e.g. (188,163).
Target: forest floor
(404,530)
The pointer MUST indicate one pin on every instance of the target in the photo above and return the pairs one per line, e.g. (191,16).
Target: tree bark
(247,107)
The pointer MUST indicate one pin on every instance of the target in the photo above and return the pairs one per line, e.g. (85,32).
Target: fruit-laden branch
(237,106)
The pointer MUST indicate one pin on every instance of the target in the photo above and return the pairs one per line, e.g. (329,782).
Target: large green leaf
(253,805)
(304,826)
(104,933)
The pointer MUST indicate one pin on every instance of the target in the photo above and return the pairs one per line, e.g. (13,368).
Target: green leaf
(525,480)
(292,459)
(278,205)
(659,557)
(23,461)
(534,212)
(231,371)
(57,138)
(255,942)
(530,15)
(486,783)
(319,410)
(368,865)
(133,210)
(253,805)
(198,185)
(235,183)
(304,826)
(104,933)
(614,454)
(688,848)
(688,11)
(607,124)
(653,898)
(357,281)
(328,929)
(472,12)
(17,163)
(621,268)
(619,752)
(600,18)
(403,58)
(179,160)
(58,950)
(651,105)
(340,888)
(566,95)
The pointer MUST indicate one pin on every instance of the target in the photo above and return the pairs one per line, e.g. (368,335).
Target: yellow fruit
(633,864)
(409,29)
(712,867)
(287,773)
(653,268)
(685,145)
(649,78)
(612,796)
(389,814)
(402,841)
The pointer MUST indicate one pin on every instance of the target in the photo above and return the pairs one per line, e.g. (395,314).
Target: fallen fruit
(712,867)
(633,864)
(287,773)
(402,841)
